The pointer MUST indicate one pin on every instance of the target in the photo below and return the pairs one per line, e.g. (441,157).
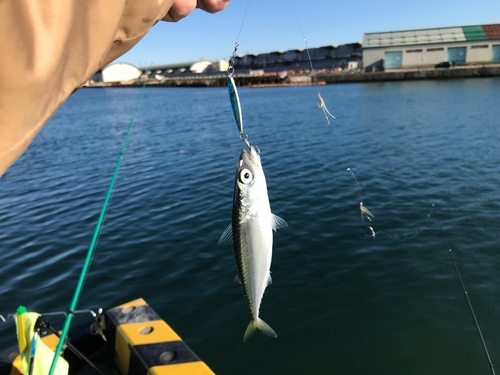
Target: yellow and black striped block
(146,345)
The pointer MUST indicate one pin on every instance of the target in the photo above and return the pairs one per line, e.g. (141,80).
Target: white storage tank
(120,72)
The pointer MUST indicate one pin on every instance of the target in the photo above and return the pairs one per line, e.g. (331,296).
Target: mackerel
(251,231)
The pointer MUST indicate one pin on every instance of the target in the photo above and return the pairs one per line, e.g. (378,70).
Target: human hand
(182,8)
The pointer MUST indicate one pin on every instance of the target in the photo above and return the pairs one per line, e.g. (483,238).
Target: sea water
(342,301)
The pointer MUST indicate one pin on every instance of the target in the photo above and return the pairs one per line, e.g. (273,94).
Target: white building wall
(479,53)
(352,65)
(221,65)
(434,54)
(371,56)
(431,54)
(424,55)
(414,56)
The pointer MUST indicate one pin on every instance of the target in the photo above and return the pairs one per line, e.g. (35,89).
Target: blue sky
(270,26)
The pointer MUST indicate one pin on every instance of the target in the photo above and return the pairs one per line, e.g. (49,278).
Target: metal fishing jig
(233,92)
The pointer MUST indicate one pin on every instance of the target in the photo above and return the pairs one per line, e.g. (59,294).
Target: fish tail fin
(262,326)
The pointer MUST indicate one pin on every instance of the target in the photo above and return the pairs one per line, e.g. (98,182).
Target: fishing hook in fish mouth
(244,138)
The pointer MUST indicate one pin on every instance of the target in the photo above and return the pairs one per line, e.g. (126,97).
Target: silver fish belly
(252,233)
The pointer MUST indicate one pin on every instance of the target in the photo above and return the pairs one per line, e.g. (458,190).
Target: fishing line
(321,104)
(365,212)
(243,22)
(90,253)
(406,236)
(450,252)
(357,183)
(232,88)
(307,49)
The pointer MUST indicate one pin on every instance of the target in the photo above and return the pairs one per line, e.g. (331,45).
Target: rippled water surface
(342,302)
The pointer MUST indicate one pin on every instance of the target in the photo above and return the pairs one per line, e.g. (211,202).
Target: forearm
(49,48)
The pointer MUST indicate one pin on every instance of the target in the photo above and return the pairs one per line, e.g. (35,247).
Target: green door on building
(393,60)
(495,54)
(458,54)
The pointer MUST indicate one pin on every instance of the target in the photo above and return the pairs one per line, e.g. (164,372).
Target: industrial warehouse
(426,48)
(334,57)
(416,53)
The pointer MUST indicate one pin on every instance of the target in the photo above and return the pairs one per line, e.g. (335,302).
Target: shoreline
(306,79)
(416,74)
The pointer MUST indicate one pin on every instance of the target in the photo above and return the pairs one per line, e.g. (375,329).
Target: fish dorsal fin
(227,235)
(278,223)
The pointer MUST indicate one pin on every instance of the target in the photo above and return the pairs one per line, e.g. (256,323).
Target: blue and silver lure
(235,102)
(233,93)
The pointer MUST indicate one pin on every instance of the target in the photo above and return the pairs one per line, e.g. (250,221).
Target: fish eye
(245,176)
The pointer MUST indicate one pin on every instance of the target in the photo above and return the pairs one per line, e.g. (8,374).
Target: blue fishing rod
(34,342)
(93,243)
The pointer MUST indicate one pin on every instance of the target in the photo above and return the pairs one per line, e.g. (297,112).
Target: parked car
(445,64)
(373,68)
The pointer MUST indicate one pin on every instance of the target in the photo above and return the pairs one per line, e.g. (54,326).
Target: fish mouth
(248,156)
(254,152)
(245,158)
(252,157)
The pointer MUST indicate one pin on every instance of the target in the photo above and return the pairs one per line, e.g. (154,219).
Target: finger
(182,8)
(179,10)
(212,6)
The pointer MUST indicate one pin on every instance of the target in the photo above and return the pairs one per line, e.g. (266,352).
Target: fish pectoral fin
(237,279)
(278,223)
(261,326)
(227,235)
(269,280)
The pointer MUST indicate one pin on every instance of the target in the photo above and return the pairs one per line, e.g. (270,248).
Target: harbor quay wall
(322,77)
(412,75)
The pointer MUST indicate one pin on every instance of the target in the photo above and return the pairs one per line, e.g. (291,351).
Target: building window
(413,50)
(434,49)
(480,46)
(457,54)
(495,51)
(393,60)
